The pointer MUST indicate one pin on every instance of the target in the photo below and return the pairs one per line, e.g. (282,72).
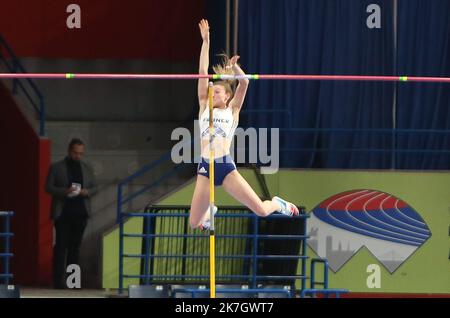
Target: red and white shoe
(207,223)
(286,208)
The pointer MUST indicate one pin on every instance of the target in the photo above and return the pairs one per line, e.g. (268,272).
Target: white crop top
(224,123)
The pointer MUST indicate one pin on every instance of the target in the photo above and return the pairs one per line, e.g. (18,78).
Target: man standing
(71,183)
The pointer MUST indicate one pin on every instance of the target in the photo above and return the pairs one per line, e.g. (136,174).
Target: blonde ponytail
(224,68)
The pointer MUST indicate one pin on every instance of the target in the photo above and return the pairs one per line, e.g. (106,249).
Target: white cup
(75,193)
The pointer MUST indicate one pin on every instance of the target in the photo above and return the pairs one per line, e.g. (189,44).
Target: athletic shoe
(207,223)
(286,207)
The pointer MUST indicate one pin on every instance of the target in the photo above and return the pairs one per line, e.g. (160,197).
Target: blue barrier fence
(5,254)
(172,253)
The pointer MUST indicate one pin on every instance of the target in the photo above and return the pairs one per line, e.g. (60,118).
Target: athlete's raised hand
(204,29)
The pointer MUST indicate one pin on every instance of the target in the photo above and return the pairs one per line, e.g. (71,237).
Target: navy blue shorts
(222,167)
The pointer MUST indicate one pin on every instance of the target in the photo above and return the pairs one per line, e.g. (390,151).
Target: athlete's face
(221,97)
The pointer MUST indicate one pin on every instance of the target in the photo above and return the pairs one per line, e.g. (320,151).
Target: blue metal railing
(247,291)
(12,63)
(253,278)
(123,199)
(365,130)
(286,113)
(392,133)
(6,254)
(195,291)
(389,138)
(313,291)
(313,281)
(326,292)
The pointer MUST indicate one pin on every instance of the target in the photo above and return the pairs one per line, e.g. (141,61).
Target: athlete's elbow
(244,82)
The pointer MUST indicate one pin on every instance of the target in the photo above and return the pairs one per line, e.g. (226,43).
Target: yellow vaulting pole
(212,241)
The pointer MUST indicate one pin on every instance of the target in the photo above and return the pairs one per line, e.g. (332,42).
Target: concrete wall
(115,100)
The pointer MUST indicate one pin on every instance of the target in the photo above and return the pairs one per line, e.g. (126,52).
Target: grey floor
(66,293)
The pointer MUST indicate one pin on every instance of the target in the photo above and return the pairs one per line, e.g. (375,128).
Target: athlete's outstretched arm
(241,89)
(203,65)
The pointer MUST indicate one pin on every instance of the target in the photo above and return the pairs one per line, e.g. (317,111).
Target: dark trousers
(69,233)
